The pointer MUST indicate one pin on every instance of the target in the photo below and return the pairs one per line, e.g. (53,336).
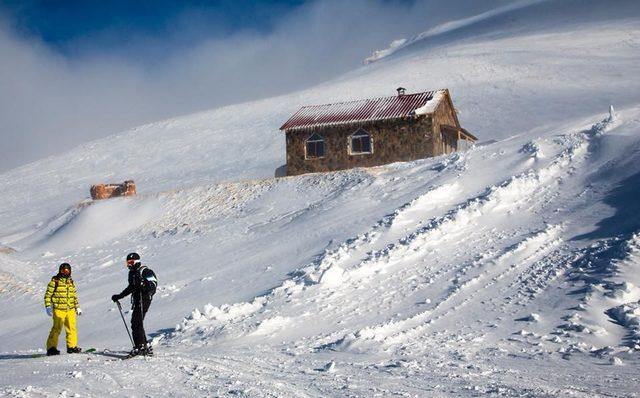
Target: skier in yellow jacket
(61,303)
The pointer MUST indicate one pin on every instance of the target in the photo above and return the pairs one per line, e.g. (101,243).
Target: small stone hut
(372,132)
(106,191)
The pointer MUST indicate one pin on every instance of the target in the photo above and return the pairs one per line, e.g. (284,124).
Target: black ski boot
(148,350)
(135,352)
(52,351)
(74,350)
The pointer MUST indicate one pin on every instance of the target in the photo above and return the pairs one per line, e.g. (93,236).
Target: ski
(35,356)
(92,350)
(129,356)
(147,355)
(113,355)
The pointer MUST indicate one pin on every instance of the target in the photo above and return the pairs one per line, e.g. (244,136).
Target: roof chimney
(400,91)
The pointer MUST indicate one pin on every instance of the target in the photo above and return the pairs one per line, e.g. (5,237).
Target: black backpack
(149,281)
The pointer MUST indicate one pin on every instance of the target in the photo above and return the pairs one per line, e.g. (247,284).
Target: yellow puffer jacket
(63,296)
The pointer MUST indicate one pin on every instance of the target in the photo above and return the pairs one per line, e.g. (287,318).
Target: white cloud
(50,103)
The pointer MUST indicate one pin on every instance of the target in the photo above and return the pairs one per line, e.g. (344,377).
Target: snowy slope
(511,269)
(515,19)
(501,86)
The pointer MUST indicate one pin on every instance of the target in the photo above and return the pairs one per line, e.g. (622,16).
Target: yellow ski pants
(68,320)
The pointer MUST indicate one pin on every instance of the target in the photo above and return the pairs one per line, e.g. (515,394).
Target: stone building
(106,191)
(372,132)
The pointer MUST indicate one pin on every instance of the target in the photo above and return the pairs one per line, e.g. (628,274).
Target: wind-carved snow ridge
(444,28)
(333,266)
(498,201)
(325,272)
(407,330)
(605,124)
(625,289)
(393,47)
(406,236)
(506,197)
(533,149)
(628,315)
(212,319)
(604,274)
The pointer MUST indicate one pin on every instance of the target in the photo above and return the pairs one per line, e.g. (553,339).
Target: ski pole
(125,323)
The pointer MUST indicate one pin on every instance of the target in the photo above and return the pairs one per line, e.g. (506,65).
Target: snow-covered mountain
(510,269)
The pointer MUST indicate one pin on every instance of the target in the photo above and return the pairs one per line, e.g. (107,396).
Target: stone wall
(396,140)
(392,141)
(106,191)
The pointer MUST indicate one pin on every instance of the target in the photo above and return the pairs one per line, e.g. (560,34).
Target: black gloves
(115,297)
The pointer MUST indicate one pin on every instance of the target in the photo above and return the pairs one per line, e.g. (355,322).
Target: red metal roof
(366,110)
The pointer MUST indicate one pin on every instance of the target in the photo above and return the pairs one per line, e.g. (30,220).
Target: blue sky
(74,27)
(74,71)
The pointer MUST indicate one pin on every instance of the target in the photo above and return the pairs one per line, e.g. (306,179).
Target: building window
(314,147)
(360,143)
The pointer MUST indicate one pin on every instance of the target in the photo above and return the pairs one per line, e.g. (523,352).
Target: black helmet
(65,269)
(133,260)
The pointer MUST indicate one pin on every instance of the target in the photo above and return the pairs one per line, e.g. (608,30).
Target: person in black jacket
(142,287)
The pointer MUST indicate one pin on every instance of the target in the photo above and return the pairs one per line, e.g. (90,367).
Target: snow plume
(610,121)
(50,102)
(399,44)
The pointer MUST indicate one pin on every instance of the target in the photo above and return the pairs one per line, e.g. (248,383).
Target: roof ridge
(360,110)
(371,99)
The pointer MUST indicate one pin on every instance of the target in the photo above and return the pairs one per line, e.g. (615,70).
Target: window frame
(359,133)
(309,140)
